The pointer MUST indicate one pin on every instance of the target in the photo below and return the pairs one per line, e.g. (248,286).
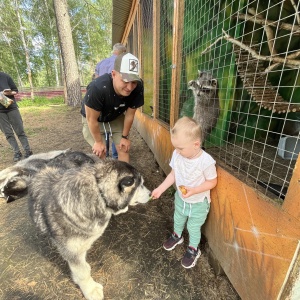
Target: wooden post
(178,21)
(156,63)
(131,17)
(140,39)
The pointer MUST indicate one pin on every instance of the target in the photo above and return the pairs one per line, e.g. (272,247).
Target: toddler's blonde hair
(189,127)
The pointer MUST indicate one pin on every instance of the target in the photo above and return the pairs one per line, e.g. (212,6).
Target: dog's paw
(94,292)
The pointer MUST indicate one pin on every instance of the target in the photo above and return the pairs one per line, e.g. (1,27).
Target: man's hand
(99,149)
(124,145)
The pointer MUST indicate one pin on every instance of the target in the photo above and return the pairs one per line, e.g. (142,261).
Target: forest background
(43,46)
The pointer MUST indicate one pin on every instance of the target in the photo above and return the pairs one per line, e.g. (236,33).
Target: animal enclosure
(257,70)
(252,49)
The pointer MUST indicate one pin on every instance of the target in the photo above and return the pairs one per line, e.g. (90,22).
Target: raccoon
(206,101)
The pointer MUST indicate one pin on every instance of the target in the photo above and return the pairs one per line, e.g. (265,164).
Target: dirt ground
(128,259)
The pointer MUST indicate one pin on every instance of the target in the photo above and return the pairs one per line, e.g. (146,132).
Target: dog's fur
(14,180)
(72,198)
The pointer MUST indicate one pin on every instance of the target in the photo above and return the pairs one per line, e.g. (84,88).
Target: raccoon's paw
(94,292)
(191,84)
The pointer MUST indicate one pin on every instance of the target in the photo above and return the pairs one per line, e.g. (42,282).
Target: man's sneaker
(190,258)
(17,156)
(28,153)
(172,242)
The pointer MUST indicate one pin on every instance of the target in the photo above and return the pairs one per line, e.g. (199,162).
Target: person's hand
(124,145)
(8,92)
(189,192)
(99,149)
(156,193)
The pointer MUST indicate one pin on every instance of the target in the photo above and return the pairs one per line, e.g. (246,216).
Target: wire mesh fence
(251,49)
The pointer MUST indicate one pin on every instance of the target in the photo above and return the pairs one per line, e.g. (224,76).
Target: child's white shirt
(193,172)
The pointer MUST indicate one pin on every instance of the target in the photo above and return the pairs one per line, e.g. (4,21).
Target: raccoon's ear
(126,182)
(200,73)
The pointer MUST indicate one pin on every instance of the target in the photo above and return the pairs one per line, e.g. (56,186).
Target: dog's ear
(126,183)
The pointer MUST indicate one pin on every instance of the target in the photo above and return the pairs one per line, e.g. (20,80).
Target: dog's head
(120,185)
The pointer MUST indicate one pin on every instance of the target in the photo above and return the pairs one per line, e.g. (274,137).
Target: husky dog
(15,179)
(73,205)
(206,101)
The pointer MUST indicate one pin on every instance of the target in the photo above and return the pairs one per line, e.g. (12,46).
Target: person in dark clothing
(110,104)
(106,66)
(10,119)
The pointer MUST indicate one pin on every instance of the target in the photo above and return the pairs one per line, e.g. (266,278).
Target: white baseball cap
(128,66)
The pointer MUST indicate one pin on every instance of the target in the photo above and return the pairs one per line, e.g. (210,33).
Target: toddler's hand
(188,192)
(156,194)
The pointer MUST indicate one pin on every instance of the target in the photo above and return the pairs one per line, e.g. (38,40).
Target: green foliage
(91,29)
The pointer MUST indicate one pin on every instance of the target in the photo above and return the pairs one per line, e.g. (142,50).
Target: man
(110,104)
(106,66)
(11,122)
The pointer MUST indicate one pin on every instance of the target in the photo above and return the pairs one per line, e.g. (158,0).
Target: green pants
(194,215)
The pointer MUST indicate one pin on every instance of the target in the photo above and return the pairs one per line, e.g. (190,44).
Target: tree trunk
(54,47)
(68,53)
(26,50)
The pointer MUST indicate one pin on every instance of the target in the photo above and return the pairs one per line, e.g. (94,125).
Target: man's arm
(92,116)
(124,146)
(129,117)
(13,87)
(97,69)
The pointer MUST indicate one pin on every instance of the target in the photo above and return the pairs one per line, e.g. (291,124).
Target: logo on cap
(128,66)
(133,65)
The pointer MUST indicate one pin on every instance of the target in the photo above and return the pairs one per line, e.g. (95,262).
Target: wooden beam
(130,20)
(140,40)
(178,21)
(156,63)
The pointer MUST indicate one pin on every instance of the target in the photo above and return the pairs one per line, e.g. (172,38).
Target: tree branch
(294,29)
(275,59)
(268,30)
(272,67)
(296,11)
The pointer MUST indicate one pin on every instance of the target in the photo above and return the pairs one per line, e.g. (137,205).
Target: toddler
(194,173)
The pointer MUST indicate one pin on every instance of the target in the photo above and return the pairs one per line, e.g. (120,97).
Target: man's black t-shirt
(102,97)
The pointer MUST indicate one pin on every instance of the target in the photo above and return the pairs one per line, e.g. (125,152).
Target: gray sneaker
(190,257)
(172,242)
(28,153)
(17,156)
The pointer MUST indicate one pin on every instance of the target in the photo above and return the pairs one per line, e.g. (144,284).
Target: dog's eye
(127,181)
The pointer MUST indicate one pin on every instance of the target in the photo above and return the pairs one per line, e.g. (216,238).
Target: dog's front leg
(81,274)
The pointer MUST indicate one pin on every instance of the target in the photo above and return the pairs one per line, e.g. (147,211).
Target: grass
(40,101)
(39,104)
